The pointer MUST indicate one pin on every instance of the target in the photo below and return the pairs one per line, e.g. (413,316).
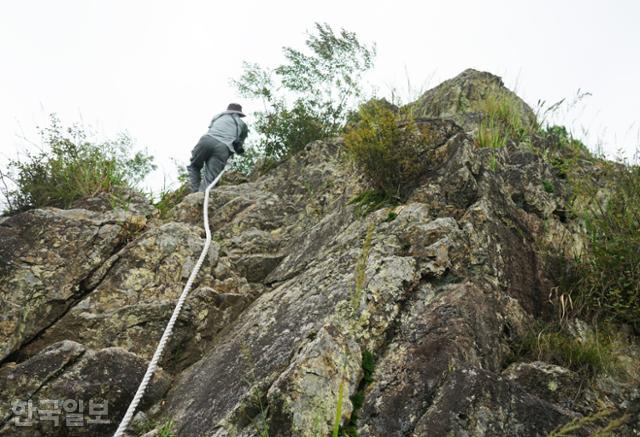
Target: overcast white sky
(161,69)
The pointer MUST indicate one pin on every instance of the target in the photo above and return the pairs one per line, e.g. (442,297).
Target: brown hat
(235,108)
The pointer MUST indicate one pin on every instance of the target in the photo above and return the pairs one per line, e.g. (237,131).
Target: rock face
(298,291)
(46,260)
(462,99)
(83,390)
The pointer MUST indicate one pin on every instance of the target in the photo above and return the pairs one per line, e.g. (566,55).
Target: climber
(225,137)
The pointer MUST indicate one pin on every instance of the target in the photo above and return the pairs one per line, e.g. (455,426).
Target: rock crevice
(298,288)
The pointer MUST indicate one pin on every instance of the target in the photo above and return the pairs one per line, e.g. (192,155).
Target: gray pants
(210,154)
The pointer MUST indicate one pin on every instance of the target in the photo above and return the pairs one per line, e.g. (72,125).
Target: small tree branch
(5,189)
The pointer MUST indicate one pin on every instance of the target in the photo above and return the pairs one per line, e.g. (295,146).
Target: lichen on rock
(298,288)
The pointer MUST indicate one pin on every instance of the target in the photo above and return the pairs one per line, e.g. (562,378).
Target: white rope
(168,330)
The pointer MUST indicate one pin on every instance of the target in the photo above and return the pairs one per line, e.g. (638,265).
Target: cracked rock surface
(298,289)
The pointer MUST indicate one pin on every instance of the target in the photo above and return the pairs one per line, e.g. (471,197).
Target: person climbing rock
(225,137)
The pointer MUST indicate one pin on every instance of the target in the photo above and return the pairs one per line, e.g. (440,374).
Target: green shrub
(69,167)
(606,278)
(386,145)
(308,96)
(287,131)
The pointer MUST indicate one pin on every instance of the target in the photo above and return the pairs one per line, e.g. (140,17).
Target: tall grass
(605,279)
(385,144)
(502,121)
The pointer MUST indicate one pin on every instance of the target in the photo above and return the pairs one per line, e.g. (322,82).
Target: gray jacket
(227,127)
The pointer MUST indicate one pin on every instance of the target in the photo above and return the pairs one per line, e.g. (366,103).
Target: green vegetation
(493,162)
(603,282)
(248,161)
(560,138)
(308,96)
(166,430)
(338,418)
(385,144)
(583,423)
(368,366)
(563,152)
(595,354)
(371,200)
(262,420)
(170,198)
(605,279)
(501,121)
(350,429)
(257,408)
(391,217)
(361,267)
(69,167)
(489,136)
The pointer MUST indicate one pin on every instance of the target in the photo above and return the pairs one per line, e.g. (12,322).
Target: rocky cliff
(402,321)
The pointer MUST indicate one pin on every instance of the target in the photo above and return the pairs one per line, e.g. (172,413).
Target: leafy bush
(606,278)
(70,167)
(308,97)
(385,144)
(289,130)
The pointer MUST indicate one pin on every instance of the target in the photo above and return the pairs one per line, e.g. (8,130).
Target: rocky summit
(308,315)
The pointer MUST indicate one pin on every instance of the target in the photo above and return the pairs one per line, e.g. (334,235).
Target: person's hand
(238,147)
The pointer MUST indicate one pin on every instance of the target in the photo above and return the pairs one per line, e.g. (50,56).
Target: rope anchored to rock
(153,364)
